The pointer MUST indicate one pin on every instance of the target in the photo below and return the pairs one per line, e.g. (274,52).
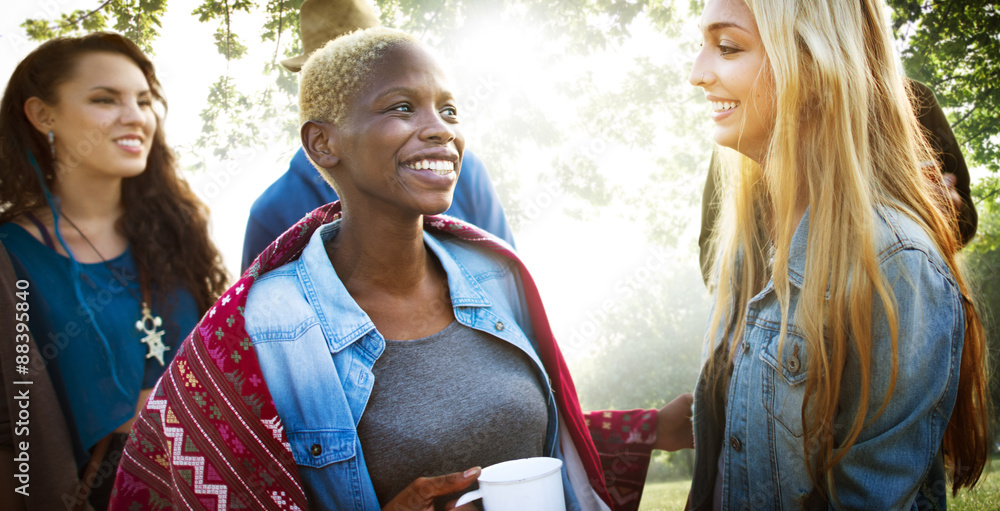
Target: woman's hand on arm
(674,430)
(420,494)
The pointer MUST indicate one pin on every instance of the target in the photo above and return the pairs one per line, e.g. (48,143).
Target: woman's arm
(894,453)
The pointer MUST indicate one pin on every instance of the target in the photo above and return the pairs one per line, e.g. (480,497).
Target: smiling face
(103,120)
(731,69)
(399,145)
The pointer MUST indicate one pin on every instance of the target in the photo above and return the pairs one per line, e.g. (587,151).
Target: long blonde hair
(845,133)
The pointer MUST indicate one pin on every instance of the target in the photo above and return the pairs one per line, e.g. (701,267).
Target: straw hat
(324,20)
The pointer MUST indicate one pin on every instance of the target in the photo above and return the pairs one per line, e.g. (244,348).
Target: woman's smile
(434,173)
(131,144)
(722,108)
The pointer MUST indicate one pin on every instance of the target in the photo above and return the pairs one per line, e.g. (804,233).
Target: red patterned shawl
(209,436)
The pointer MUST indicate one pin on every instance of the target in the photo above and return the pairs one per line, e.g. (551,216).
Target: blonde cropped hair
(335,74)
(845,133)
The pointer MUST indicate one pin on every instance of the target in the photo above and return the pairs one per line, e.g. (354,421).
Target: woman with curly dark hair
(108,241)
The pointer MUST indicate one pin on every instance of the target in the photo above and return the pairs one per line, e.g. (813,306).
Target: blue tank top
(76,359)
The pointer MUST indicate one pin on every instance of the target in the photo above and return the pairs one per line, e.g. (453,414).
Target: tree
(139,22)
(953,47)
(647,342)
(983,261)
(232,117)
(647,348)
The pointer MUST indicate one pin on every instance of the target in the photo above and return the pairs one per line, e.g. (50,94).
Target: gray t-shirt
(456,399)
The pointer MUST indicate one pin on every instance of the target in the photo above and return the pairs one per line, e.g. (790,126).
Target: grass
(986,497)
(664,496)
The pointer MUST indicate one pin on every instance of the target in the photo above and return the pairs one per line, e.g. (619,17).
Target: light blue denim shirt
(897,454)
(317,347)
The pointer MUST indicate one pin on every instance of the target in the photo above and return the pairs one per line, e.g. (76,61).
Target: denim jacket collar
(330,299)
(797,252)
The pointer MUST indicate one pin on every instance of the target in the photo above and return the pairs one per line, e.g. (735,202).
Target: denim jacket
(316,348)
(896,461)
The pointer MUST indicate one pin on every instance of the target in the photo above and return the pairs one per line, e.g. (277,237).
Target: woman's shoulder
(21,238)
(909,257)
(900,234)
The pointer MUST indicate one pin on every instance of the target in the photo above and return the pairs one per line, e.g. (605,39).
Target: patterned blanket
(209,436)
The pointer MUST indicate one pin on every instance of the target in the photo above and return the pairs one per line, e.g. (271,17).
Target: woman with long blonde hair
(847,365)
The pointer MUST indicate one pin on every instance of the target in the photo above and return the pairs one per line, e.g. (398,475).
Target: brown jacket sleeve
(943,142)
(52,477)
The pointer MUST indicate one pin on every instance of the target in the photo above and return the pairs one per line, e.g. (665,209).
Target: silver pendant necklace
(148,323)
(154,338)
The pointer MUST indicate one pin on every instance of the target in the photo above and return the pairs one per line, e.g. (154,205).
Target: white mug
(528,484)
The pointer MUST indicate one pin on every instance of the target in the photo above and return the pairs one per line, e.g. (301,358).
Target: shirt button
(316,450)
(735,444)
(499,326)
(746,347)
(793,364)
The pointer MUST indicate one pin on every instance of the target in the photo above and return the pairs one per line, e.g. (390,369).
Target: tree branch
(963,118)
(229,36)
(277,37)
(948,79)
(73,22)
(984,198)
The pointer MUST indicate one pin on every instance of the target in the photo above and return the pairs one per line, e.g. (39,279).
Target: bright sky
(577,265)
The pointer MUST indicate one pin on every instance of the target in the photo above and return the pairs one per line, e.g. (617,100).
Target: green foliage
(671,466)
(233,118)
(214,9)
(282,15)
(664,496)
(982,259)
(953,47)
(590,24)
(228,44)
(139,20)
(227,106)
(647,346)
(585,26)
(987,191)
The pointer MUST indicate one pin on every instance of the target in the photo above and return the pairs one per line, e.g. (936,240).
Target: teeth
(442,167)
(721,106)
(129,142)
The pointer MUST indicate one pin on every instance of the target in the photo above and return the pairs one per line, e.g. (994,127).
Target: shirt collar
(341,319)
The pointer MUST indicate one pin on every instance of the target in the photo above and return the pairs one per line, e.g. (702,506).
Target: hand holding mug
(420,494)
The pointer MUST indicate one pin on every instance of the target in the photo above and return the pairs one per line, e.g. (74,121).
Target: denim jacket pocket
(320,448)
(784,379)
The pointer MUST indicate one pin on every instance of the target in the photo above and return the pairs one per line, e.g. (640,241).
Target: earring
(52,143)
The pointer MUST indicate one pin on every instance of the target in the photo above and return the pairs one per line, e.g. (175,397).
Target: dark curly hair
(165,224)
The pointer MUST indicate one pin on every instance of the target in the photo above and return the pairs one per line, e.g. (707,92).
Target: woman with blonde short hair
(376,355)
